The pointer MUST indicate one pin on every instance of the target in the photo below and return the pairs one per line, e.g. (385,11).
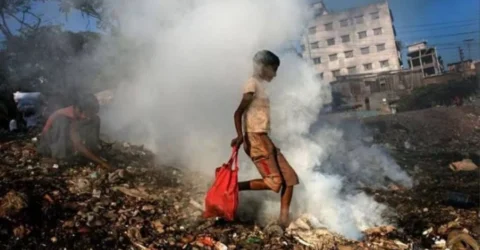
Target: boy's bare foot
(284,222)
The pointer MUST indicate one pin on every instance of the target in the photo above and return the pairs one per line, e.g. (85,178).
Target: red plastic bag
(222,198)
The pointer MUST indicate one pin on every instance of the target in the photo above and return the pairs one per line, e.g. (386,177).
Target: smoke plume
(178,93)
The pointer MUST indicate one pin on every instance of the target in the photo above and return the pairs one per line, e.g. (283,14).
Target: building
(467,67)
(354,41)
(424,58)
(371,91)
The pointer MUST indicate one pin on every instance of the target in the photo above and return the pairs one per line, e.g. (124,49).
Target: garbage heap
(139,205)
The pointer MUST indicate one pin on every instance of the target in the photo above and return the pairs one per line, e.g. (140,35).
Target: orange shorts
(270,162)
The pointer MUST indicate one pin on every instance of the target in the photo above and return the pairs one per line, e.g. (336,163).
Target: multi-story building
(354,41)
(424,58)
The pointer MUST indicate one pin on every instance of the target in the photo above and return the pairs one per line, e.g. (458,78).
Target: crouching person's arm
(80,147)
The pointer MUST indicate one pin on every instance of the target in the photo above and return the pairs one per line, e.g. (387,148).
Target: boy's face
(269,72)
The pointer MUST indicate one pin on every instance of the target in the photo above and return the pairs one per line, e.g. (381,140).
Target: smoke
(178,93)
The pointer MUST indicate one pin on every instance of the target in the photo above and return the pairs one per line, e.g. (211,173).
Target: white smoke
(182,90)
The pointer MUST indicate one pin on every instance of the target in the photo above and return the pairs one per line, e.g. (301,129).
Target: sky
(444,24)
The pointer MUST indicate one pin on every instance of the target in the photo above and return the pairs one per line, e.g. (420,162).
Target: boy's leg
(286,198)
(262,152)
(291,179)
(257,184)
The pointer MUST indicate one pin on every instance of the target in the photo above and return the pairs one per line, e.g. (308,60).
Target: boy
(74,128)
(255,108)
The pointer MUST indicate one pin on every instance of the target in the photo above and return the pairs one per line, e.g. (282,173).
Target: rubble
(460,240)
(141,205)
(12,203)
(464,165)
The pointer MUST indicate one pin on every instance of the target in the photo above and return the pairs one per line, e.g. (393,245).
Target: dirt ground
(424,143)
(74,205)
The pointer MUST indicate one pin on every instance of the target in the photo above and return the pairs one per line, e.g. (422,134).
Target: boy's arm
(78,145)
(246,101)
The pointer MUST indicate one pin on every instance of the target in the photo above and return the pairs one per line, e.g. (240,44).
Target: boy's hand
(237,142)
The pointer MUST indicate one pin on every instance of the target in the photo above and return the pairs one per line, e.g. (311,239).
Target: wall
(389,85)
(321,35)
(445,78)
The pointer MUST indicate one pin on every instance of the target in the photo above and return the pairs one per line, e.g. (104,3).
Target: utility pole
(460,52)
(468,42)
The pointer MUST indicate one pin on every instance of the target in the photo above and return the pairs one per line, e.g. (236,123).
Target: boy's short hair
(266,58)
(87,102)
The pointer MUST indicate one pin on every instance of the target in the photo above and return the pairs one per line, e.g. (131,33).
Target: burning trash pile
(140,205)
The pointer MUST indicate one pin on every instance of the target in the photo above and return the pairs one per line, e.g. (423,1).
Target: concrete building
(354,41)
(467,67)
(424,58)
(371,91)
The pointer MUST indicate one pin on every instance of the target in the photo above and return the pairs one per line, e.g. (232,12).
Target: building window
(352,70)
(312,30)
(384,64)
(378,31)
(359,19)
(344,23)
(349,54)
(329,26)
(320,76)
(362,34)
(367,66)
(317,60)
(314,45)
(416,62)
(331,41)
(345,38)
(380,47)
(375,15)
(365,50)
(333,57)
(336,73)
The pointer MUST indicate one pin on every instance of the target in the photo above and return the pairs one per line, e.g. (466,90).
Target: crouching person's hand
(105,165)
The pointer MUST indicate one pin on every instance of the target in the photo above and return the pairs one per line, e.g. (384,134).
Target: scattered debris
(383,230)
(461,240)
(12,203)
(141,205)
(464,165)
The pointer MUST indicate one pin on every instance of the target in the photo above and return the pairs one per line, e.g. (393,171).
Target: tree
(18,13)
(39,60)
(104,15)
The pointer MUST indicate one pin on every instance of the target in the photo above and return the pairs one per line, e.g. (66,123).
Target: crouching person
(73,129)
(277,174)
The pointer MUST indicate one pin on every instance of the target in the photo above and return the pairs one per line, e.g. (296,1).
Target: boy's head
(266,64)
(88,106)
